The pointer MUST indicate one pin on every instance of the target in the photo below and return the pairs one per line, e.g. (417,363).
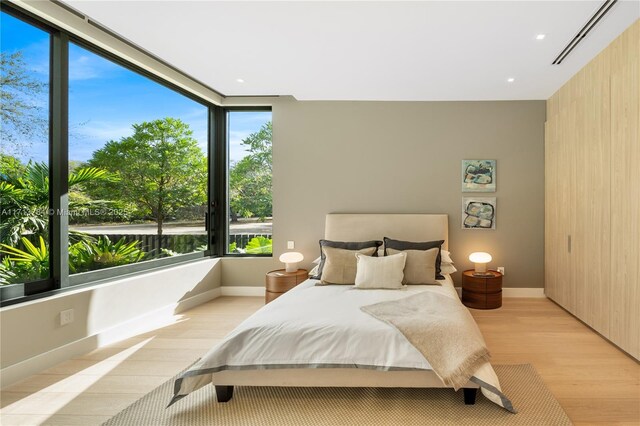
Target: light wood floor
(594,382)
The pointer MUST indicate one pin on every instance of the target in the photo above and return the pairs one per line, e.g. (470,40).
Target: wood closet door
(625,195)
(558,176)
(551,210)
(590,196)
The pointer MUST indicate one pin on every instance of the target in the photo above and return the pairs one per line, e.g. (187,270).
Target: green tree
(160,168)
(250,178)
(10,167)
(23,117)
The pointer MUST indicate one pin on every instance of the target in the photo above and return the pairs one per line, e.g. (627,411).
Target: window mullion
(59,168)
(218,158)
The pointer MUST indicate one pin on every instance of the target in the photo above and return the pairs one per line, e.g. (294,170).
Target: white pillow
(445,256)
(314,272)
(447,268)
(380,272)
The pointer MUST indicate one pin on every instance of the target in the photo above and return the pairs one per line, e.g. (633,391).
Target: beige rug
(256,406)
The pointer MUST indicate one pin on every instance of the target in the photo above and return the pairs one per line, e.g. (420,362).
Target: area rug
(266,406)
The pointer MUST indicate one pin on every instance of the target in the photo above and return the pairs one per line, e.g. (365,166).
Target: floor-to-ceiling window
(249,194)
(24,153)
(140,152)
(107,169)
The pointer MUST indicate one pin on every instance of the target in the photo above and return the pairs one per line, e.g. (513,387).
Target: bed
(318,336)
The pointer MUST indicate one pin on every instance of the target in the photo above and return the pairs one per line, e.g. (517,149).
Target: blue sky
(105,99)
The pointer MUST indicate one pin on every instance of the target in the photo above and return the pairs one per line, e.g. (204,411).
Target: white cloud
(101,131)
(88,66)
(236,150)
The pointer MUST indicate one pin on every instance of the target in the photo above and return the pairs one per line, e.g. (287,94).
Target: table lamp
(480,259)
(290,260)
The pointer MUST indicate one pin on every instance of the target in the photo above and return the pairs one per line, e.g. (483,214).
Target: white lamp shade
(291,259)
(480,257)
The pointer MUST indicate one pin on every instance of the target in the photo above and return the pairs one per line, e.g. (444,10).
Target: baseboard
(523,292)
(242,291)
(142,324)
(516,292)
(506,292)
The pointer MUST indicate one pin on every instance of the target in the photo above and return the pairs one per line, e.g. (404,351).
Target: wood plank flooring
(594,382)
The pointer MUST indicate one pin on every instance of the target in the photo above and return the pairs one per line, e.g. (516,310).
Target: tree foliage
(23,113)
(250,178)
(160,169)
(24,196)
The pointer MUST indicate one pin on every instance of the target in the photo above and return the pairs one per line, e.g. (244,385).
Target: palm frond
(36,176)
(87,174)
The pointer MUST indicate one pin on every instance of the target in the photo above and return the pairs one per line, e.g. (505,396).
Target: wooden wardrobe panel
(566,161)
(551,211)
(591,232)
(592,191)
(569,143)
(625,195)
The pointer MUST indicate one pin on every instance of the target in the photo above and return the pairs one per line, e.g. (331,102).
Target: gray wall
(405,157)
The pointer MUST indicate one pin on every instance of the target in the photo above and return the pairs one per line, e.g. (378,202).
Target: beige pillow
(380,272)
(340,264)
(420,267)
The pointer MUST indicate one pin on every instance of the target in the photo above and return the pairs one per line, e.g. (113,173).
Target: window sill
(88,280)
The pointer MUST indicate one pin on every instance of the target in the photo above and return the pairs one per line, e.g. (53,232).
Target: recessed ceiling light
(239,80)
(511,79)
(540,36)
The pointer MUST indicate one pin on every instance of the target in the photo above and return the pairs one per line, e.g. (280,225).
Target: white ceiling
(368,50)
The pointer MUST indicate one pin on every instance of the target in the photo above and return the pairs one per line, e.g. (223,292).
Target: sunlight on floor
(61,393)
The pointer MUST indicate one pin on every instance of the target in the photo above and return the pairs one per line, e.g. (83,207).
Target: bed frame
(355,227)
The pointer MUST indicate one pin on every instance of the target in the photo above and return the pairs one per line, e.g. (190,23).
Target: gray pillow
(347,245)
(341,265)
(411,245)
(420,266)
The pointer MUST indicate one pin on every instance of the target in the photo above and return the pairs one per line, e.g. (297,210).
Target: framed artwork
(478,175)
(478,213)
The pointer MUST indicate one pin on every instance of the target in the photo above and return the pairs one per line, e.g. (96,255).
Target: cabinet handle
(569,243)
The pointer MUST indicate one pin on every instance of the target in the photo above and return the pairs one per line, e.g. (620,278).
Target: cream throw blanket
(442,329)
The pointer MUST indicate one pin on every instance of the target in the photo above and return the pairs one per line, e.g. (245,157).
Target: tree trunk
(159,232)
(160,212)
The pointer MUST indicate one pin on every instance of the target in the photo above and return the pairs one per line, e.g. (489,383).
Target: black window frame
(224,124)
(20,290)
(60,280)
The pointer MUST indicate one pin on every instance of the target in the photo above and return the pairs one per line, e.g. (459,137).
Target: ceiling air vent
(603,10)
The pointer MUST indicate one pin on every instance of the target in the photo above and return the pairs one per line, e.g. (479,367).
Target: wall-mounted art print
(478,213)
(478,175)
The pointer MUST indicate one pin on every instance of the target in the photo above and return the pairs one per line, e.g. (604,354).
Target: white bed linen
(321,327)
(324,325)
(316,326)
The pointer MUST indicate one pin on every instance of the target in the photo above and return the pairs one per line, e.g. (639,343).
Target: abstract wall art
(478,213)
(478,175)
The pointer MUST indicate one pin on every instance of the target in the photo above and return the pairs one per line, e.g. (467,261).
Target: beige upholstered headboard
(407,227)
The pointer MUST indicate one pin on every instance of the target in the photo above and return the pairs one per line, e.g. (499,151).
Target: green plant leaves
(259,245)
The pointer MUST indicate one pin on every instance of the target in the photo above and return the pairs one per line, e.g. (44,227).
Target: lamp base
(291,267)
(482,274)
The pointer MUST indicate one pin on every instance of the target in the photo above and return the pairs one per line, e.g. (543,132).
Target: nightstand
(279,282)
(482,292)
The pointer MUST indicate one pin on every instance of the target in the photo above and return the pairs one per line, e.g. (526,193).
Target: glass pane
(138,167)
(249,192)
(24,152)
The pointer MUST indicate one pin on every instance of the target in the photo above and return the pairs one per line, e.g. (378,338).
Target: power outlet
(66,317)
(501,269)
(291,245)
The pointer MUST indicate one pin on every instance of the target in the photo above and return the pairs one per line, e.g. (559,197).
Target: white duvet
(320,326)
